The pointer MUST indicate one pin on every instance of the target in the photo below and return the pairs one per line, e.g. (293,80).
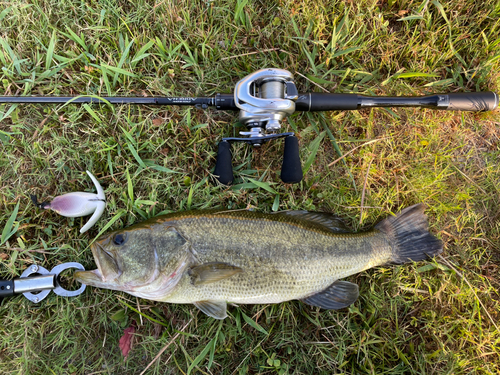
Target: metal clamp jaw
(43,284)
(264,98)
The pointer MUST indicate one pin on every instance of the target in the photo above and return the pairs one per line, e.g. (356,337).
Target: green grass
(420,318)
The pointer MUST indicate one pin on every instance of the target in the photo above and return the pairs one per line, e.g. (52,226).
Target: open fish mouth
(93,278)
(107,268)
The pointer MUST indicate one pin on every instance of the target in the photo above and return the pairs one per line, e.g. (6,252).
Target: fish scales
(210,258)
(283,258)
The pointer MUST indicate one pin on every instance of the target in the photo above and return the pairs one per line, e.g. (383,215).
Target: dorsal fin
(331,222)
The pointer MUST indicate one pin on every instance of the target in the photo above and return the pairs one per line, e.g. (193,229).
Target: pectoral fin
(337,296)
(211,272)
(215,309)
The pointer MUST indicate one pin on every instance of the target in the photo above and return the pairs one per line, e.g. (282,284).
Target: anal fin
(215,309)
(337,296)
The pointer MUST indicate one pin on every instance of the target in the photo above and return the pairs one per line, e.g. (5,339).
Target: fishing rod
(265,97)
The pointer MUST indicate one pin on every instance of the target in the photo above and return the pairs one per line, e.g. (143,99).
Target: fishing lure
(77,204)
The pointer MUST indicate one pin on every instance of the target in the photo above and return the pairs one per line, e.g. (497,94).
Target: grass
(432,317)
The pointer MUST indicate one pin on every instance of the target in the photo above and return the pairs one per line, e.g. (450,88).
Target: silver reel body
(265,98)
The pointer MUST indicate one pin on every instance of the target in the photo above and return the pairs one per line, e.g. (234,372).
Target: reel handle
(223,166)
(291,169)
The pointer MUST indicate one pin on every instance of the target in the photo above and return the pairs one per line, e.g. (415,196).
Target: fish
(215,257)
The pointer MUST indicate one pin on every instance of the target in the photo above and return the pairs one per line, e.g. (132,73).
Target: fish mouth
(107,269)
(92,278)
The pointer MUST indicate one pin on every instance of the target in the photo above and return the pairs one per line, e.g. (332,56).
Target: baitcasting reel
(264,99)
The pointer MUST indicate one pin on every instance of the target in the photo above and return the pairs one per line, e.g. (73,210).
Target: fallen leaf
(157,331)
(165,151)
(157,121)
(126,341)
(4,256)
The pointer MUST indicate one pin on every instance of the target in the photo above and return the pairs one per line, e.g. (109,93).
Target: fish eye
(119,239)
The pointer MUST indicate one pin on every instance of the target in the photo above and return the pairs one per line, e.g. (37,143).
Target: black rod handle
(291,169)
(223,166)
(316,101)
(463,101)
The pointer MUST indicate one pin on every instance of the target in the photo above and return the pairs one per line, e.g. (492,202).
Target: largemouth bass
(211,258)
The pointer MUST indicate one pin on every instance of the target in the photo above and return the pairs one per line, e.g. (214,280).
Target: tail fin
(409,235)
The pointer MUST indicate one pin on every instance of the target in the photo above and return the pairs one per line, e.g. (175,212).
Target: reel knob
(223,166)
(291,169)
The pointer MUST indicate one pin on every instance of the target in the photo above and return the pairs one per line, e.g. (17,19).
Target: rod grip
(291,169)
(223,166)
(472,101)
(317,101)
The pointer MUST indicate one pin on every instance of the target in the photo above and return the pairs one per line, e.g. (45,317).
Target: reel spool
(264,99)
